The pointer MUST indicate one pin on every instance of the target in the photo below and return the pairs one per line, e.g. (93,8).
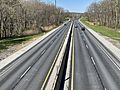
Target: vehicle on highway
(76,26)
(83,28)
(65,24)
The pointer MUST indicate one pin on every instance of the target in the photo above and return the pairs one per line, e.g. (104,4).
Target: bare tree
(105,12)
(19,16)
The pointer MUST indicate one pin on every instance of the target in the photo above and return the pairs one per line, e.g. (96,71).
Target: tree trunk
(116,11)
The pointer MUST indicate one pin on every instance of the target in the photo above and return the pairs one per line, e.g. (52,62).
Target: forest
(105,13)
(20,16)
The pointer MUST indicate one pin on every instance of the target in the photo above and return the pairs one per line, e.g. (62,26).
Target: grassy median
(109,32)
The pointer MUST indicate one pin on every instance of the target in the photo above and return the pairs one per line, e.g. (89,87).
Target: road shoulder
(17,54)
(110,46)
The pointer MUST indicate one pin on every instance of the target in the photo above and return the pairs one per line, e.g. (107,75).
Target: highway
(30,70)
(94,67)
(91,65)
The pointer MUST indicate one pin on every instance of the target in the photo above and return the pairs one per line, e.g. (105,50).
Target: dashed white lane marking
(105,89)
(93,60)
(86,46)
(10,67)
(51,42)
(105,52)
(83,39)
(5,71)
(25,72)
(43,52)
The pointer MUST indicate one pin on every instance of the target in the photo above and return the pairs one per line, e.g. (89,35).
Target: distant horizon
(78,6)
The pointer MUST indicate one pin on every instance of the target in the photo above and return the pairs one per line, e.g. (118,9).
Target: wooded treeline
(105,13)
(18,16)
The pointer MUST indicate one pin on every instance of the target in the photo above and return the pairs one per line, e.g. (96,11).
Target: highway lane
(95,67)
(85,76)
(28,72)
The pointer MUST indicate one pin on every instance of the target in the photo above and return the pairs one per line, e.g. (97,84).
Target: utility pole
(55,3)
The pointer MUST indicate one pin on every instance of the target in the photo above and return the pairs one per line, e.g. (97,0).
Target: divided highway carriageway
(70,58)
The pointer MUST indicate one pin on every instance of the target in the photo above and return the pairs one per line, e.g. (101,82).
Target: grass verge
(105,31)
(5,43)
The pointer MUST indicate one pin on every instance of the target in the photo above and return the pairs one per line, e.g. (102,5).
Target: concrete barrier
(54,75)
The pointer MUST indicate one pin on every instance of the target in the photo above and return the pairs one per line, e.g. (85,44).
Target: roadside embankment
(112,46)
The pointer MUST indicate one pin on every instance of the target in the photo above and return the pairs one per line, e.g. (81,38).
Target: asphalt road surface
(29,71)
(94,67)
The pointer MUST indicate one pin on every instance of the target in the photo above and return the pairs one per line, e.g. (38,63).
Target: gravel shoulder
(114,42)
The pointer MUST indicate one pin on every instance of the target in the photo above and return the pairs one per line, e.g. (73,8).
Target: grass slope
(5,43)
(109,32)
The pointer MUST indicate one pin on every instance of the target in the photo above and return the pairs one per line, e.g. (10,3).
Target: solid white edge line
(17,54)
(116,54)
(104,51)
